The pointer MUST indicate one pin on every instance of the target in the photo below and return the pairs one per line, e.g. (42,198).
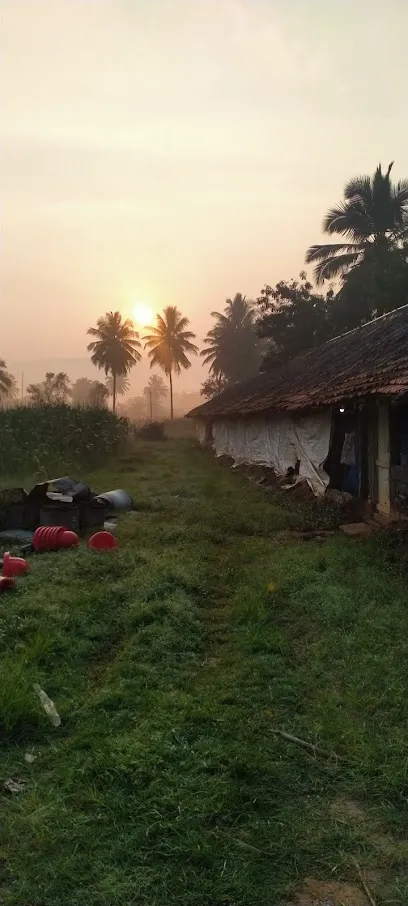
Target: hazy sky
(179,151)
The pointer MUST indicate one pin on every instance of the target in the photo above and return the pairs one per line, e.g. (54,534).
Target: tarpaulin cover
(278,441)
(200,429)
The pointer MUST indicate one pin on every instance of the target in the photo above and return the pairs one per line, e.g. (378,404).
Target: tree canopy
(115,348)
(232,348)
(56,388)
(155,393)
(86,392)
(168,344)
(8,385)
(293,318)
(372,218)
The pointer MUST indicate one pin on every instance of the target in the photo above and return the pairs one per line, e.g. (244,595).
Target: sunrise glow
(143,314)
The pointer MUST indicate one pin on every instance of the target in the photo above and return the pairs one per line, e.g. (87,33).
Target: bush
(51,437)
(152,431)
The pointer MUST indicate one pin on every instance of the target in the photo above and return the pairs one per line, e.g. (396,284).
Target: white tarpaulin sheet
(278,441)
(200,430)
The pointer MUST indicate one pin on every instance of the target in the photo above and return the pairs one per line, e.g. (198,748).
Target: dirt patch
(330,893)
(351,812)
(348,810)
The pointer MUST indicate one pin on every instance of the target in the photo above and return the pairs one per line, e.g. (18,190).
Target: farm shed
(337,416)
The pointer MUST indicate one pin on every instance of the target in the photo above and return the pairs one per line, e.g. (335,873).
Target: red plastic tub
(14,566)
(53,538)
(102,541)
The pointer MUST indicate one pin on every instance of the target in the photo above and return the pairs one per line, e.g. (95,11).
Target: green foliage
(86,392)
(122,385)
(168,344)
(155,393)
(373,218)
(54,436)
(379,284)
(115,347)
(372,264)
(213,385)
(54,389)
(294,318)
(232,347)
(7,381)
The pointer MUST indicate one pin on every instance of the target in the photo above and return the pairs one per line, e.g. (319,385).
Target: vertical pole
(151,406)
(114,392)
(22,385)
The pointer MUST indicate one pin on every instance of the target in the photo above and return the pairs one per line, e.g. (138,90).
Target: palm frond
(348,219)
(329,250)
(360,188)
(335,267)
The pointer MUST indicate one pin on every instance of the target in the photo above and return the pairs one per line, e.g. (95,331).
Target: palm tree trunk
(171,395)
(114,391)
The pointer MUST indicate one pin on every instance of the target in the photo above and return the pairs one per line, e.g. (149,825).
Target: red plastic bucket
(14,566)
(6,582)
(68,539)
(46,537)
(53,538)
(102,541)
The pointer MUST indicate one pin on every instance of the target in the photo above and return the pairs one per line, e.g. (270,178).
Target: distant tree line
(370,266)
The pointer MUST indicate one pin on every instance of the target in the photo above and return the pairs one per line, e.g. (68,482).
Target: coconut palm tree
(154,392)
(122,385)
(373,219)
(168,344)
(115,348)
(9,389)
(233,350)
(5,378)
(13,391)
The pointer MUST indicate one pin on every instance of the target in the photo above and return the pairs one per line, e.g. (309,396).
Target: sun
(143,314)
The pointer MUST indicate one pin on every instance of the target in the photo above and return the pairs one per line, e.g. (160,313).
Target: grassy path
(170,662)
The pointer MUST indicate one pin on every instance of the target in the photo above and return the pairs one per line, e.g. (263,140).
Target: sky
(175,152)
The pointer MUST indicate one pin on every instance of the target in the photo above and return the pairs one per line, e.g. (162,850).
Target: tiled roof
(369,360)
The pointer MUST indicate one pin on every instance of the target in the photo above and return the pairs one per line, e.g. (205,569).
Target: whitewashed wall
(278,441)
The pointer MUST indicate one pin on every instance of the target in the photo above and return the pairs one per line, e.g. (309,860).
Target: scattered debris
(14,566)
(102,541)
(117,500)
(16,536)
(15,786)
(358,528)
(6,582)
(307,745)
(53,537)
(29,757)
(339,497)
(57,502)
(48,705)
(363,883)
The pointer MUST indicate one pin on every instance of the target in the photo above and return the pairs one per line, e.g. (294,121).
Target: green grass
(171,662)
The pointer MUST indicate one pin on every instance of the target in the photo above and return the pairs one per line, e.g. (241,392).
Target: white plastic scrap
(29,757)
(14,786)
(48,705)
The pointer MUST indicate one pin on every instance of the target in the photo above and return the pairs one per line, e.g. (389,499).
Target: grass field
(171,662)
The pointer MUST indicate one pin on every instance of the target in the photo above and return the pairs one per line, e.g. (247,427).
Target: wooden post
(383,460)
